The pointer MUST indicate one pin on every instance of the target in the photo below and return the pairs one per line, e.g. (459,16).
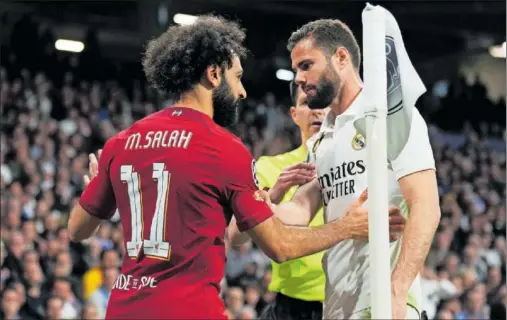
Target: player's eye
(305,66)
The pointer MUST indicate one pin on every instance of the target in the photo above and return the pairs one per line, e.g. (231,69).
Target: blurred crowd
(53,116)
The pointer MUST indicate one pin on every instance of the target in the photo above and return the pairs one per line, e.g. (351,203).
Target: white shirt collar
(355,110)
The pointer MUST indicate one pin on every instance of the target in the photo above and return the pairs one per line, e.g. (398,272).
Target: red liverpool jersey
(176,178)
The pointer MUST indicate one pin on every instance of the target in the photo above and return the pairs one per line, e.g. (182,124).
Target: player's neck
(349,93)
(197,101)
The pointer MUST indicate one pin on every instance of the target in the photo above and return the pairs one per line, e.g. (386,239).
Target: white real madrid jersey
(339,154)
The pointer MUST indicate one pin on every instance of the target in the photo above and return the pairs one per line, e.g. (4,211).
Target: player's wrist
(399,288)
(340,229)
(275,196)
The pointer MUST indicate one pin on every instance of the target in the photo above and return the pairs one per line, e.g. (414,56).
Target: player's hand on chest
(341,165)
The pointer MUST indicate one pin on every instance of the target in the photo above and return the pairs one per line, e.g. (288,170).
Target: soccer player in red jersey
(177,178)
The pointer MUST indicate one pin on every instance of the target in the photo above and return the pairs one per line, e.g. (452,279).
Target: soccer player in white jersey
(326,59)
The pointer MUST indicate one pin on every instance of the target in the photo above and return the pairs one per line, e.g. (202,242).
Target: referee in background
(300,283)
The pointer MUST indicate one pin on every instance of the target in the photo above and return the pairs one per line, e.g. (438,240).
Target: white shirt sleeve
(417,154)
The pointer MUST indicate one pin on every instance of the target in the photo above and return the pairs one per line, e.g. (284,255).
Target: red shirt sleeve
(98,198)
(241,186)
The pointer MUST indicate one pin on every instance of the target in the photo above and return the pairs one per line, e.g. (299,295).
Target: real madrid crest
(358,141)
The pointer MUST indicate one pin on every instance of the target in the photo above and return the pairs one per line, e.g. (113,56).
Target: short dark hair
(175,61)
(328,34)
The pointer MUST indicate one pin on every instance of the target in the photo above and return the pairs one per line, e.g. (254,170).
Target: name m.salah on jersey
(159,139)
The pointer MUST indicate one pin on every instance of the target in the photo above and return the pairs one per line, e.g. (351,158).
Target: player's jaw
(225,105)
(325,91)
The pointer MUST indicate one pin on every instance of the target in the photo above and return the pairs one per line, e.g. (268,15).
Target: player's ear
(213,76)
(341,57)
(293,114)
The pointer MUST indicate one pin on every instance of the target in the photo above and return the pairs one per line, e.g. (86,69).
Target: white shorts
(412,314)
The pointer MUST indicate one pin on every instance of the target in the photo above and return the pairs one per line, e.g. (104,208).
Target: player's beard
(327,89)
(225,106)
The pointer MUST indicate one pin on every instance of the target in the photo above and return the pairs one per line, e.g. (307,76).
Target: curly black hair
(176,60)
(328,34)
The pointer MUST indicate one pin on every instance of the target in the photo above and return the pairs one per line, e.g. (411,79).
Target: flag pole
(375,84)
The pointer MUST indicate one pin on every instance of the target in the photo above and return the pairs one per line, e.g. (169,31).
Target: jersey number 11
(155,246)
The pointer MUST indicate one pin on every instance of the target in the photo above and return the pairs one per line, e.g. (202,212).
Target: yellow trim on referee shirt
(302,278)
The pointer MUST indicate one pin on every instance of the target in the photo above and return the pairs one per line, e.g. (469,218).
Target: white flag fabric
(404,86)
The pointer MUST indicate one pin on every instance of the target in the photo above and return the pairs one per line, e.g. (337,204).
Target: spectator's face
(444,240)
(50,223)
(475,301)
(235,299)
(54,308)
(494,276)
(11,302)
(17,244)
(63,237)
(308,120)
(21,292)
(452,264)
(62,289)
(111,260)
(453,305)
(54,247)
(42,209)
(470,255)
(110,276)
(64,261)
(445,315)
(14,219)
(31,257)
(90,311)
(34,274)
(29,231)
(252,296)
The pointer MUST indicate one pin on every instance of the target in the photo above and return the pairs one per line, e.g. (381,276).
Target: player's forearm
(293,214)
(290,213)
(296,242)
(417,238)
(236,237)
(82,225)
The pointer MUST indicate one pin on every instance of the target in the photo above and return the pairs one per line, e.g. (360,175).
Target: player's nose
(300,78)
(318,113)
(242,93)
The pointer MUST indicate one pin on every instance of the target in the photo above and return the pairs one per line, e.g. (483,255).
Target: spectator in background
(11,305)
(100,297)
(90,311)
(54,308)
(71,305)
(52,118)
(93,278)
(234,301)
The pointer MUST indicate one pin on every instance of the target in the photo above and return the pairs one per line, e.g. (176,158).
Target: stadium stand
(53,113)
